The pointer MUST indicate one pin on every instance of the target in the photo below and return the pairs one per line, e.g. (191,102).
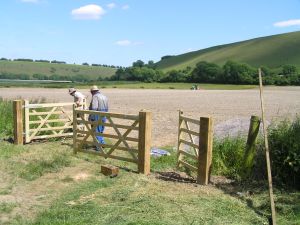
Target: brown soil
(227,107)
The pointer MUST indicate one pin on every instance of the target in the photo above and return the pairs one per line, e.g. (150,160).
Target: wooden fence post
(145,120)
(250,146)
(18,122)
(205,150)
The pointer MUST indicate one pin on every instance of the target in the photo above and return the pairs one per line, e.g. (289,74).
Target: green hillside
(49,69)
(272,51)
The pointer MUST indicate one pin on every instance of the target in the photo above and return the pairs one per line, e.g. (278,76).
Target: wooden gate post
(205,150)
(145,126)
(18,122)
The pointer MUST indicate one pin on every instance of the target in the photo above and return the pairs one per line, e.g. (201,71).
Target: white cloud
(30,1)
(124,43)
(111,5)
(287,23)
(125,7)
(88,12)
(128,43)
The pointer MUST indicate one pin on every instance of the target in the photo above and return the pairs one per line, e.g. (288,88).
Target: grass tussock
(6,118)
(7,207)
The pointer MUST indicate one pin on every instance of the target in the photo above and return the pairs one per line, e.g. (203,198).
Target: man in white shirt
(79,98)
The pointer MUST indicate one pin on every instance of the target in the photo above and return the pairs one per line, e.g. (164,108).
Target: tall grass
(284,142)
(285,151)
(228,156)
(6,118)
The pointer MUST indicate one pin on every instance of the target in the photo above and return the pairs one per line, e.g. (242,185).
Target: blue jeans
(99,128)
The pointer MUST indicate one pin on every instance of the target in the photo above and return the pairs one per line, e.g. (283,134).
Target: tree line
(57,77)
(58,62)
(205,72)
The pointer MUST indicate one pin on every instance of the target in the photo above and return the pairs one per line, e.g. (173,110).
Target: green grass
(131,85)
(6,118)
(272,51)
(31,162)
(19,67)
(228,156)
(7,207)
(135,199)
(131,198)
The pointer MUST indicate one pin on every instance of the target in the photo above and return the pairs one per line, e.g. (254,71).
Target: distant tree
(85,64)
(238,73)
(175,76)
(58,62)
(206,72)
(151,64)
(42,61)
(3,59)
(138,63)
(24,60)
(166,57)
(288,70)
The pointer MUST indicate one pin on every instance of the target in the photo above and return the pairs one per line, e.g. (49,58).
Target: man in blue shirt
(99,102)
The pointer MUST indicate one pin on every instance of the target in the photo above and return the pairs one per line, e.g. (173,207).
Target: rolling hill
(272,51)
(49,69)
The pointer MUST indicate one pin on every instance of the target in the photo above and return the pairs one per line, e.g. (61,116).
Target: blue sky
(122,31)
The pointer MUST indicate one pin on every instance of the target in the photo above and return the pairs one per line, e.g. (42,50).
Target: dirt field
(231,110)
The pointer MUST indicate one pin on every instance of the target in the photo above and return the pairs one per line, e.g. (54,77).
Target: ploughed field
(231,109)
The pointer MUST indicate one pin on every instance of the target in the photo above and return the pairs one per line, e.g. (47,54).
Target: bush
(284,140)
(284,143)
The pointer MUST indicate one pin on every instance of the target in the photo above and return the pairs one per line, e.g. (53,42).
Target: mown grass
(135,199)
(131,198)
(32,162)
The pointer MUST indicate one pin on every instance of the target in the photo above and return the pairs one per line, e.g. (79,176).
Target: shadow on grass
(255,195)
(174,177)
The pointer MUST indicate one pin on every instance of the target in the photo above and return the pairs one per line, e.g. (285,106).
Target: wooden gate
(48,120)
(127,137)
(195,146)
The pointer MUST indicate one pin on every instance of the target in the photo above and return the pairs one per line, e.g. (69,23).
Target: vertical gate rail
(134,149)
(198,156)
